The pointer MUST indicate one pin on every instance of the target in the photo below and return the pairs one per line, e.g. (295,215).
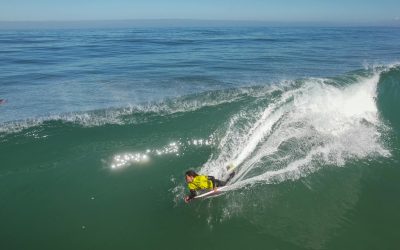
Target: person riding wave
(198,182)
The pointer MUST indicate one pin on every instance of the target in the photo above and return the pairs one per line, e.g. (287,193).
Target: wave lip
(133,114)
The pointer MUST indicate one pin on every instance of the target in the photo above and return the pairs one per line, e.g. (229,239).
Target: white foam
(306,128)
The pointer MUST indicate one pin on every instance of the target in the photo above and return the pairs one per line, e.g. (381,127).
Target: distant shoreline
(56,24)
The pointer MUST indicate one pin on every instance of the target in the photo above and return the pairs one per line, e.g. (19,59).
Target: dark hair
(191,173)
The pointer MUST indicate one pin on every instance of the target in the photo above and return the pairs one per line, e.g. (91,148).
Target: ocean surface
(98,126)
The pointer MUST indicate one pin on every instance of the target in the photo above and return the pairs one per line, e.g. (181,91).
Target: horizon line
(187,21)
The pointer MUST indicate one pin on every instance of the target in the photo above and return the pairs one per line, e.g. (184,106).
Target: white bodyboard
(212,192)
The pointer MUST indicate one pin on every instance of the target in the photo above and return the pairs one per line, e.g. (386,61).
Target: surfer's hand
(187,200)
(215,189)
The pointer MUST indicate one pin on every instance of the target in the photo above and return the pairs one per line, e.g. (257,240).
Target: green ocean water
(318,168)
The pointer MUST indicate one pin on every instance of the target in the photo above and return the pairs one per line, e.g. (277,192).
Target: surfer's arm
(212,179)
(216,183)
(190,196)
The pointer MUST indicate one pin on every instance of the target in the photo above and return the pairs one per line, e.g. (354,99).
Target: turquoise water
(99,126)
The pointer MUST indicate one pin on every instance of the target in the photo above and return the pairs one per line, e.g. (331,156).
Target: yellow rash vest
(200,182)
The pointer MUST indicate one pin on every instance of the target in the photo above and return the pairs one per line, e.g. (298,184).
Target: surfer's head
(189,176)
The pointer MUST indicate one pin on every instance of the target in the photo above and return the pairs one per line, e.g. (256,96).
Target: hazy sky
(260,10)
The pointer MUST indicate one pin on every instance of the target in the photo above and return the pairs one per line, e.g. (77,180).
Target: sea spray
(308,126)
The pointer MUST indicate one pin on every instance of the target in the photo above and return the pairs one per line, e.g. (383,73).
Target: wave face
(303,149)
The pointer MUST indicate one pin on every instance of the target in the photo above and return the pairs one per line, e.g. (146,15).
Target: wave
(134,114)
(273,133)
(388,96)
(126,115)
(311,124)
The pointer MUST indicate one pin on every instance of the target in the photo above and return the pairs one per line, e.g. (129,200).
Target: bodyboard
(218,191)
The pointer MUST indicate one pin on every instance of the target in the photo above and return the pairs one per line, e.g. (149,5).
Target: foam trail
(310,126)
(235,147)
(259,131)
